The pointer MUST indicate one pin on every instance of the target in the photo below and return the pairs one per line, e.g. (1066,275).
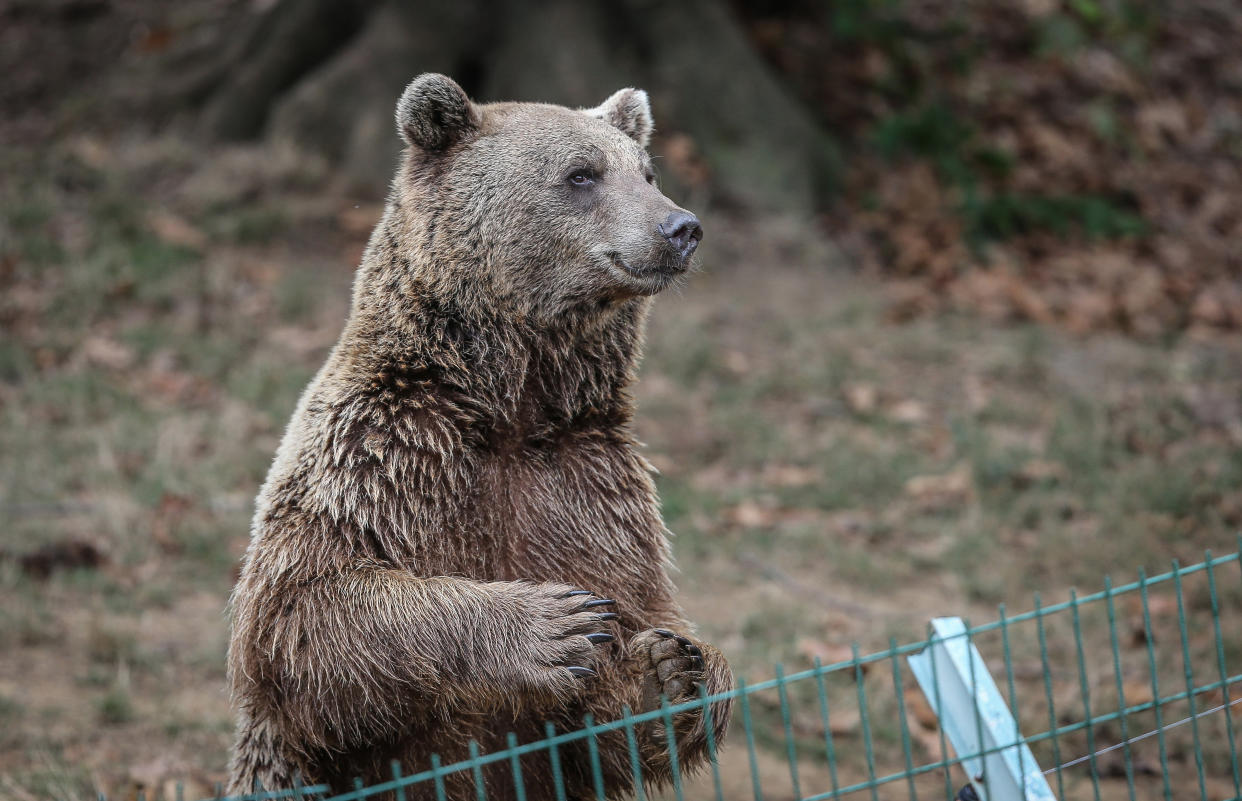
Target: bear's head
(543,207)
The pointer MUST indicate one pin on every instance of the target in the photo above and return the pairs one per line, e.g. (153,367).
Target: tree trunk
(327,74)
(287,42)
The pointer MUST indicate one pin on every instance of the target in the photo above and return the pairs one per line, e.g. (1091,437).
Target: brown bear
(458,538)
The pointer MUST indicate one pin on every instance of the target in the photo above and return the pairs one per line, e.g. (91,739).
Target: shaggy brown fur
(464,462)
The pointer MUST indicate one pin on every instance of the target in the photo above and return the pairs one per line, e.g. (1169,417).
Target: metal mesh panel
(1130,692)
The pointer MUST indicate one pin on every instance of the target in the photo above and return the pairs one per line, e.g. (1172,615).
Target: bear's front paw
(565,630)
(672,666)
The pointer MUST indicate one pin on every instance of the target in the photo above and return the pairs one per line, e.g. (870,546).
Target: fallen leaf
(908,411)
(93,153)
(787,475)
(176,386)
(104,352)
(936,492)
(1089,310)
(918,708)
(861,398)
(168,515)
(1039,471)
(1037,9)
(176,230)
(932,744)
(1136,692)
(827,653)
(844,723)
(736,362)
(749,514)
(1161,123)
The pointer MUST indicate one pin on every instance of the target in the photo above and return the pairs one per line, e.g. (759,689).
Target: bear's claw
(696,656)
(676,667)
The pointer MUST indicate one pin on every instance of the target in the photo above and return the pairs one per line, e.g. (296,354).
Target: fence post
(974,716)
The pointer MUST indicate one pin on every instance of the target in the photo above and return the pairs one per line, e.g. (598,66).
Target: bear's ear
(628,110)
(434,112)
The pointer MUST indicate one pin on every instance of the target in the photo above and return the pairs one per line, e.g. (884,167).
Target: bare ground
(831,476)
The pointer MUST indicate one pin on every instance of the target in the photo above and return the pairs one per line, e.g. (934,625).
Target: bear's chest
(582,511)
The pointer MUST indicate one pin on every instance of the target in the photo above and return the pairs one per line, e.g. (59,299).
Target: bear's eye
(581,178)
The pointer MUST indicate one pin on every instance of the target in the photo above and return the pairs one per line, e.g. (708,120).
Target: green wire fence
(1130,692)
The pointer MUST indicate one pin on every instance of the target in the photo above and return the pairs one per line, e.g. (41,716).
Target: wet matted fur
(463,464)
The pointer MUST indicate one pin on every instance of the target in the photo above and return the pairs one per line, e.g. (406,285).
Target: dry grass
(834,476)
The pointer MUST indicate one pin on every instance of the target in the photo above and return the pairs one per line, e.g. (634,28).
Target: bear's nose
(683,232)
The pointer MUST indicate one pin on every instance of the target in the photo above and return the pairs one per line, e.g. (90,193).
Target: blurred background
(967,329)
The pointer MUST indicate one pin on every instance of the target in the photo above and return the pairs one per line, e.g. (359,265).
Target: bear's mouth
(661,270)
